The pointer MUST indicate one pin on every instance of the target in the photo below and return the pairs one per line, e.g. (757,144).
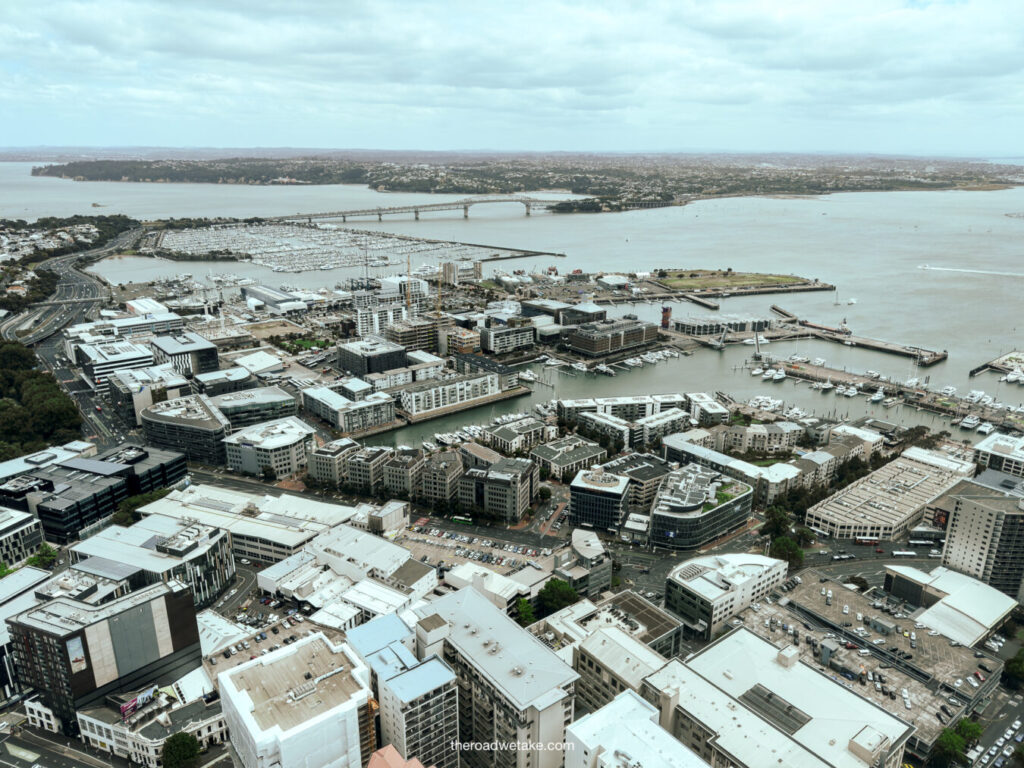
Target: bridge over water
(453,205)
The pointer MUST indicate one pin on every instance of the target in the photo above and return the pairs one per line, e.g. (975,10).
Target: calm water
(870,245)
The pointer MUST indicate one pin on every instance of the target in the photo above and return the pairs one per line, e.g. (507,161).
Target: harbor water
(941,270)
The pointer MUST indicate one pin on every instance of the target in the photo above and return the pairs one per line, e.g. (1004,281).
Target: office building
(609,661)
(132,390)
(476,455)
(707,591)
(135,725)
(223,381)
(129,327)
(645,473)
(567,456)
(374,320)
(187,352)
(403,472)
(327,462)
(278,447)
(45,458)
(1003,453)
(191,425)
(17,594)
(504,490)
(625,732)
(585,565)
(264,528)
(75,654)
(255,406)
(743,702)
(695,506)
(98,361)
(346,414)
(503,339)
(610,336)
(598,499)
(364,468)
(308,703)
(20,536)
(371,354)
(436,395)
(441,474)
(769,483)
(892,499)
(512,688)
(418,698)
(144,469)
(158,548)
(985,531)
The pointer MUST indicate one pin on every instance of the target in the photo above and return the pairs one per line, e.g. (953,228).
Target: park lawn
(682,280)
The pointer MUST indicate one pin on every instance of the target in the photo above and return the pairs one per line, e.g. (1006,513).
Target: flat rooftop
(297,683)
(64,616)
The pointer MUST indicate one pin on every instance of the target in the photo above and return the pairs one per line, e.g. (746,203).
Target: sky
(879,76)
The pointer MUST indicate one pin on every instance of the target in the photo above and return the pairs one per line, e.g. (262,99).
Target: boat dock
(1007,363)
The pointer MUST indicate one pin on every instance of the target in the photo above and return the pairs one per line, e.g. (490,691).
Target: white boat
(768,373)
(889,402)
(760,339)
(878,397)
(581,367)
(553,362)
(851,301)
(970,422)
(851,391)
(527,376)
(649,357)
(912,382)
(840,390)
(606,370)
(828,385)
(757,371)
(634,362)
(819,361)
(948,391)
(779,375)
(985,428)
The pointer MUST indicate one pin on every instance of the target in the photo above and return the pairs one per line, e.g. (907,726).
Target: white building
(438,394)
(1003,453)
(503,592)
(705,409)
(282,444)
(743,702)
(349,415)
(512,688)
(622,734)
(306,704)
(418,698)
(131,390)
(100,360)
(705,592)
(610,661)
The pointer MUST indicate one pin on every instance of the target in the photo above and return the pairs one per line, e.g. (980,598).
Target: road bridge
(528,202)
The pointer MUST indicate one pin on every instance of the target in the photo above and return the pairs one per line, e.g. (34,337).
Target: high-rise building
(255,406)
(371,354)
(192,425)
(696,505)
(308,704)
(327,462)
(98,361)
(1003,453)
(985,532)
(133,389)
(511,687)
(75,654)
(598,499)
(441,474)
(503,490)
(403,472)
(282,445)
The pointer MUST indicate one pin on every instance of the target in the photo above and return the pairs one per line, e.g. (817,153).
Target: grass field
(694,279)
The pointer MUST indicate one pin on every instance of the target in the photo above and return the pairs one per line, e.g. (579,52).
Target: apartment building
(441,473)
(437,394)
(503,490)
(364,468)
(403,472)
(283,445)
(326,463)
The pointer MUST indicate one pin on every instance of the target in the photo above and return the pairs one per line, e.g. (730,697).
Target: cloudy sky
(898,76)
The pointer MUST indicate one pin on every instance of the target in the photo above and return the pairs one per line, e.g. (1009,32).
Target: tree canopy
(555,595)
(34,411)
(784,548)
(181,750)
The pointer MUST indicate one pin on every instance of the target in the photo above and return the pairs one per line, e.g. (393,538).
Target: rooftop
(714,576)
(506,655)
(193,410)
(297,683)
(155,543)
(182,343)
(269,435)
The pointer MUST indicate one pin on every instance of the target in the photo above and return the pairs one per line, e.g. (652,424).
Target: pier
(1007,363)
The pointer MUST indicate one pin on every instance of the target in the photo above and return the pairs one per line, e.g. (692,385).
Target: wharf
(1003,364)
(923,357)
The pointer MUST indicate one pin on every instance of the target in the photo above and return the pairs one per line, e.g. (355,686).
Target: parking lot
(433,545)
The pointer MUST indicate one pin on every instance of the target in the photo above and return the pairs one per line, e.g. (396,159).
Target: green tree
(555,595)
(784,548)
(803,536)
(776,522)
(268,473)
(949,747)
(544,493)
(969,731)
(1013,672)
(44,557)
(180,751)
(4,570)
(127,510)
(524,612)
(1017,758)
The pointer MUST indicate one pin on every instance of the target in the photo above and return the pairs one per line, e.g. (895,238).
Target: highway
(82,291)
